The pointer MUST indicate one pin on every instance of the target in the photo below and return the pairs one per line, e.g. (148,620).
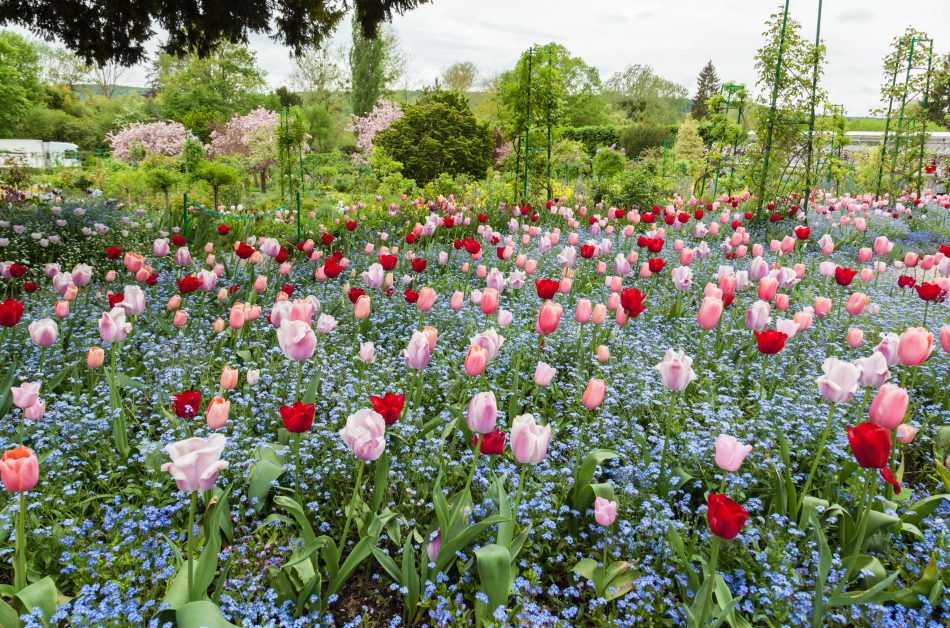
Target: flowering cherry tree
(252,138)
(135,141)
(366,127)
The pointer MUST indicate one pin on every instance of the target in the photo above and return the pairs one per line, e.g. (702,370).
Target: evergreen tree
(367,67)
(707,86)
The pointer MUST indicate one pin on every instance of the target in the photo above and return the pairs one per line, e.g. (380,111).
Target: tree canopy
(100,31)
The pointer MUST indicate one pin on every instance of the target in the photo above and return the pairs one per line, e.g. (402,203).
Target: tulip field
(433,412)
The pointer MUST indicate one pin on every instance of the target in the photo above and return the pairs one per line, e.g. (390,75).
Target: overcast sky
(676,37)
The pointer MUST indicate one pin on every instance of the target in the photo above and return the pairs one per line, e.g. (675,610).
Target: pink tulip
(676,370)
(361,309)
(916,345)
(489,301)
(181,319)
(839,380)
(549,317)
(906,433)
(855,337)
(605,512)
(889,406)
(945,338)
(418,351)
(543,374)
(822,306)
(582,313)
(229,378)
(296,340)
(196,462)
(217,414)
(529,441)
(365,434)
(730,453)
(856,303)
(19,469)
(26,394)
(43,332)
(482,412)
(95,357)
(458,300)
(710,311)
(475,360)
(113,326)
(427,298)
(767,287)
(603,353)
(594,393)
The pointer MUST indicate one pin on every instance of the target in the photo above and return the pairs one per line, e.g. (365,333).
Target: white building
(39,154)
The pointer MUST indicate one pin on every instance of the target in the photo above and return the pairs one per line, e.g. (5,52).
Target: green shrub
(594,137)
(638,137)
(608,163)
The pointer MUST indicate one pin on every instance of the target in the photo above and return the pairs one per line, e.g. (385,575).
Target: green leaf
(381,481)
(506,530)
(921,510)
(203,614)
(41,594)
(310,394)
(586,567)
(462,540)
(388,564)
(494,576)
(262,473)
(861,597)
(296,510)
(360,552)
(585,475)
(8,615)
(410,578)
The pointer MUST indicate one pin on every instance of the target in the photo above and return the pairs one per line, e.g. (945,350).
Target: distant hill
(120,90)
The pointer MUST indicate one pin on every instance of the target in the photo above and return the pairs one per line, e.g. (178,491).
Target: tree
(136,141)
(19,76)
(320,73)
(202,91)
(366,127)
(645,96)
(689,148)
(60,66)
(161,175)
(938,104)
(375,64)
(252,139)
(460,76)
(707,86)
(439,134)
(217,173)
(100,31)
(107,77)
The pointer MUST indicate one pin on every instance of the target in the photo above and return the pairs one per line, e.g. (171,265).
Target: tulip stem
(297,438)
(664,488)
(19,559)
(521,481)
(356,492)
(191,546)
(821,450)
(707,599)
(870,484)
(299,376)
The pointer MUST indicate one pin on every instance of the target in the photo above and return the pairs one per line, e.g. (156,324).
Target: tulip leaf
(506,530)
(203,613)
(263,472)
(8,615)
(388,564)
(381,480)
(494,577)
(296,510)
(5,397)
(585,475)
(361,551)
(410,578)
(310,394)
(921,510)
(41,594)
(463,539)
(861,597)
(586,567)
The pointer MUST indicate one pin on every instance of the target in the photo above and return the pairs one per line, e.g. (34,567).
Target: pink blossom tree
(136,141)
(252,139)
(366,127)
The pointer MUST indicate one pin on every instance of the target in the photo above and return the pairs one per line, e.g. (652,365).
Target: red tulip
(587,251)
(287,289)
(411,295)
(493,442)
(178,240)
(844,275)
(546,288)
(187,403)
(929,291)
(355,294)
(472,247)
(113,252)
(410,238)
(870,444)
(418,265)
(16,270)
(29,287)
(11,312)
(389,406)
(631,300)
(224,230)
(906,281)
(115,299)
(297,418)
(770,341)
(350,225)
(802,233)
(188,283)
(326,238)
(243,250)
(656,264)
(388,262)
(725,517)
(332,267)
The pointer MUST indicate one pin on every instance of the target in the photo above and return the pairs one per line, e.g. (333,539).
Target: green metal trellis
(527,129)
(771,125)
(811,118)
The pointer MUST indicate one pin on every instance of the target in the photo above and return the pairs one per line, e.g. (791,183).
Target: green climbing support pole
(735,145)
(923,136)
(900,116)
(771,127)
(527,128)
(887,123)
(298,216)
(729,88)
(811,118)
(184,214)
